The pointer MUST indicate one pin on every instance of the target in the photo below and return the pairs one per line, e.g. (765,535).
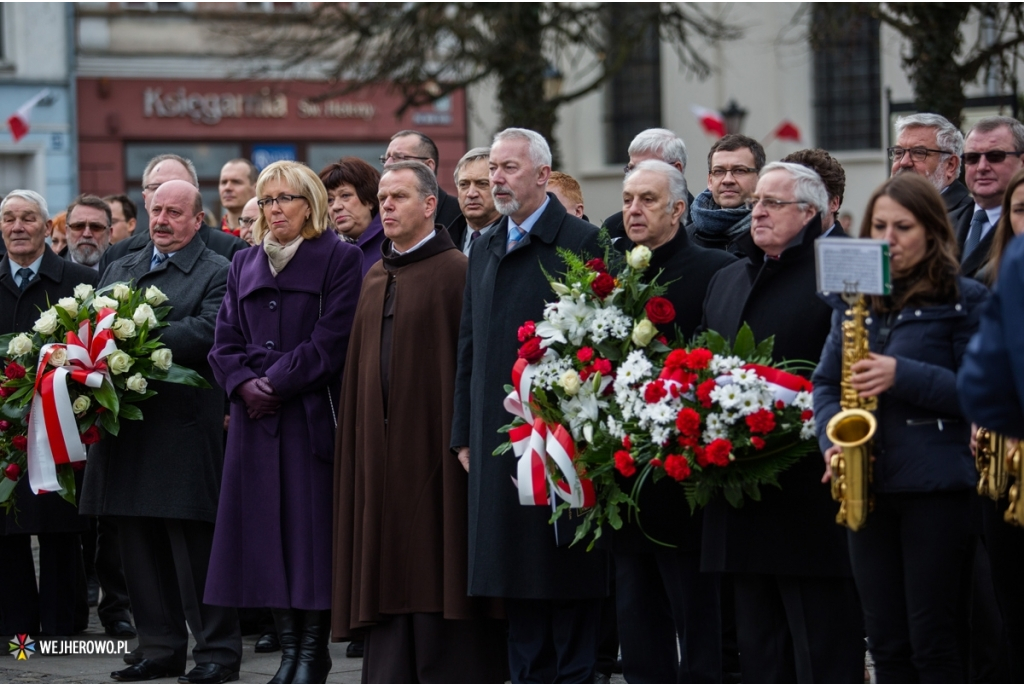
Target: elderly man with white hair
(798,618)
(930,145)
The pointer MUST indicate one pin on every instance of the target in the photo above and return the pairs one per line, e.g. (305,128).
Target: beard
(935,178)
(505,207)
(86,254)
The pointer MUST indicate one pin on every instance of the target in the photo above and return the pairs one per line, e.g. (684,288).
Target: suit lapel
(6,278)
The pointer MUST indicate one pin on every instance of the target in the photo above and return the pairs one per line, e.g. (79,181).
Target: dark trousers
(669,618)
(428,648)
(908,562)
(114,604)
(798,629)
(52,608)
(552,640)
(1006,554)
(165,564)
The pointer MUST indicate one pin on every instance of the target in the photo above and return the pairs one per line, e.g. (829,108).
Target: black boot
(289,631)
(314,657)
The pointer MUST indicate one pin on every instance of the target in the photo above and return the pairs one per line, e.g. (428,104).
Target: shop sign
(211,108)
(335,109)
(265,154)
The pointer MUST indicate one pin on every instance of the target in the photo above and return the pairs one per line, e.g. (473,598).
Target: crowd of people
(340,479)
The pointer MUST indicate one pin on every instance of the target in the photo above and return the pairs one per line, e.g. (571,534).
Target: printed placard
(848,265)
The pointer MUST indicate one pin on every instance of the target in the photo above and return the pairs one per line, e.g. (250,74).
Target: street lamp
(553,79)
(733,116)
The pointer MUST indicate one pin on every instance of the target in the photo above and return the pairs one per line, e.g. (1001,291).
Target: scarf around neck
(712,221)
(279,255)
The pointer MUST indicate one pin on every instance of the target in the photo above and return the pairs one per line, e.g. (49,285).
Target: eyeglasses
(918,154)
(770,204)
(245,222)
(281,200)
(80,226)
(993,156)
(737,172)
(399,157)
(151,187)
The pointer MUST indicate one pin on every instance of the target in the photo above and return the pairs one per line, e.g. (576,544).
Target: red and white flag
(19,121)
(711,121)
(787,130)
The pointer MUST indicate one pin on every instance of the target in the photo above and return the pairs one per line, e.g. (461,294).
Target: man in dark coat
(797,614)
(413,145)
(160,169)
(475,202)
(88,231)
(33,278)
(161,476)
(719,216)
(552,594)
(832,175)
(666,607)
(929,145)
(400,503)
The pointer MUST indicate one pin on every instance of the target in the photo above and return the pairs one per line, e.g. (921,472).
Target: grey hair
(661,142)
(471,156)
(992,123)
(676,180)
(808,188)
(540,152)
(28,196)
(426,182)
(187,163)
(947,136)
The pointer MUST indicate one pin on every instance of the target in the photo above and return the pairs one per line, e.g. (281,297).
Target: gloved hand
(259,398)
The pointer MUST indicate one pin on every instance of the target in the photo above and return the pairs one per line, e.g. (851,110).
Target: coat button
(958,307)
(269,344)
(868,321)
(900,316)
(917,313)
(272,305)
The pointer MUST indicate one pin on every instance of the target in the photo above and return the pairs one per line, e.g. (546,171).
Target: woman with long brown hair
(908,559)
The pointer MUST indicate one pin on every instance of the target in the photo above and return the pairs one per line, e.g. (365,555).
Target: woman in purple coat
(353,207)
(279,351)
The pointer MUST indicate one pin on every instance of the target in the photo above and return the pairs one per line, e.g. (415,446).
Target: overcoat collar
(792,254)
(545,230)
(441,242)
(305,272)
(52,267)
(138,263)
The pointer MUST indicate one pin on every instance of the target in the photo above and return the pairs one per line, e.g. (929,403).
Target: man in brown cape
(400,507)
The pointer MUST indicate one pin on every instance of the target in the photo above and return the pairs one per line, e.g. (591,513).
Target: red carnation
(654,392)
(5,426)
(626,442)
(5,391)
(531,350)
(603,285)
(806,415)
(527,331)
(715,454)
(659,310)
(677,467)
(676,359)
(688,422)
(757,442)
(603,366)
(624,463)
(19,442)
(704,392)
(655,462)
(698,359)
(688,442)
(12,471)
(779,404)
(585,354)
(14,370)
(91,435)
(597,265)
(761,421)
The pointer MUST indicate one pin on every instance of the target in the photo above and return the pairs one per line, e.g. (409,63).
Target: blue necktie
(158,259)
(25,276)
(515,234)
(974,235)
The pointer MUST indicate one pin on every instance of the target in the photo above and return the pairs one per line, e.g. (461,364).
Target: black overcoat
(19,310)
(512,551)
(792,530)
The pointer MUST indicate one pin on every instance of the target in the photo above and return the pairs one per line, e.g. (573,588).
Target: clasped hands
(259,397)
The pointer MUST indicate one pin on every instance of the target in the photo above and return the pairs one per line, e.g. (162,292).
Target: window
(633,96)
(847,81)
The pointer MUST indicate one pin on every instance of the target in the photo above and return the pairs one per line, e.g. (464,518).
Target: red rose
(780,405)
(91,435)
(655,462)
(663,340)
(715,454)
(688,422)
(19,442)
(654,392)
(698,359)
(585,354)
(603,285)
(757,442)
(626,442)
(603,367)
(704,392)
(624,463)
(5,426)
(14,370)
(527,331)
(761,421)
(676,359)
(6,392)
(12,471)
(531,350)
(659,310)
(806,415)
(677,467)
(597,265)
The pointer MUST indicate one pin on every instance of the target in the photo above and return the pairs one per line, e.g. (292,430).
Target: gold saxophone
(853,428)
(1014,461)
(990,457)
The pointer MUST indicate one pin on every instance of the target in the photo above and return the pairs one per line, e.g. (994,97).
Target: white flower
(81,404)
(58,357)
(570,382)
(639,257)
(726,396)
(721,365)
(143,315)
(19,345)
(660,435)
(743,376)
(644,332)
(83,291)
(119,362)
(614,427)
(46,323)
(751,401)
(559,288)
(155,296)
(803,400)
(808,431)
(103,302)
(123,329)
(121,292)
(136,382)
(162,358)
(68,304)
(660,412)
(635,369)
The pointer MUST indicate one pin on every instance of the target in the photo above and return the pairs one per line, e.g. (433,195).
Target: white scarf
(279,255)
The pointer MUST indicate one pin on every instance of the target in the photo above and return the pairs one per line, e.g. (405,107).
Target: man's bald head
(170,168)
(175,215)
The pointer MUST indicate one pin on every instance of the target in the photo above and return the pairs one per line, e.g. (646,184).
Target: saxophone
(990,456)
(1015,462)
(853,428)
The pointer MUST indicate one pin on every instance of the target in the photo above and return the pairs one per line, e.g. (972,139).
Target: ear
(543,175)
(833,206)
(199,220)
(952,168)
(429,205)
(49,228)
(678,210)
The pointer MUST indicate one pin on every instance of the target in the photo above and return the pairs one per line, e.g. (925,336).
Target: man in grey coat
(160,477)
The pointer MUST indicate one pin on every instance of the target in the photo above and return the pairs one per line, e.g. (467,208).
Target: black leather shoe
(268,642)
(133,657)
(119,629)
(210,673)
(354,650)
(147,669)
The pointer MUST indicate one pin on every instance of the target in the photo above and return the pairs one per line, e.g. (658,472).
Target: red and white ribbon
(53,436)
(785,386)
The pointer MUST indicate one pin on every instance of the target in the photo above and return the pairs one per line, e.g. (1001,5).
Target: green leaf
(12,411)
(181,375)
(6,489)
(716,343)
(765,347)
(106,395)
(130,412)
(66,478)
(609,351)
(744,346)
(109,423)
(501,449)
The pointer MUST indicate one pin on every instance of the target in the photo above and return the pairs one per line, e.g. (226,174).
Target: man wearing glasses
(929,145)
(719,217)
(88,229)
(992,155)
(413,145)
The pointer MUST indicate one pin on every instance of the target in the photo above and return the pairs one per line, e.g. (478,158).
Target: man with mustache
(88,229)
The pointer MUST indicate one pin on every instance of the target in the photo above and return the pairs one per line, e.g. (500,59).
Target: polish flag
(19,121)
(787,130)
(710,120)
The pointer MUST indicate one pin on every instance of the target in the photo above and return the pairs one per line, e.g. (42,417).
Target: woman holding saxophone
(908,557)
